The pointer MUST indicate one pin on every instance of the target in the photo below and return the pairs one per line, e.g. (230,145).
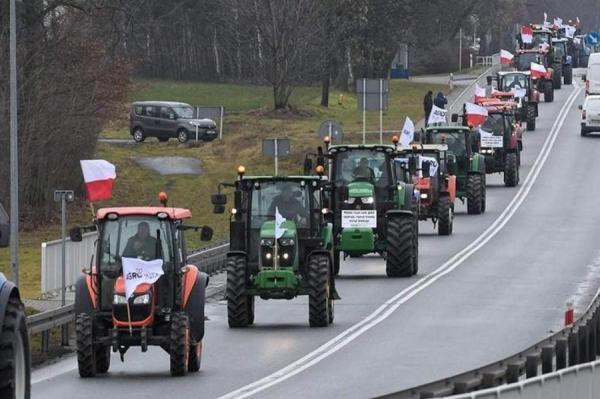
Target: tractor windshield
(514,81)
(369,165)
(541,38)
(560,49)
(495,123)
(290,198)
(141,237)
(525,59)
(454,139)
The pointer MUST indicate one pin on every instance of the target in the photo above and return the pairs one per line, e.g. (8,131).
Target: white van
(592,75)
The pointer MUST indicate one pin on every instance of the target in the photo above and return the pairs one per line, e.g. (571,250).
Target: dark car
(166,119)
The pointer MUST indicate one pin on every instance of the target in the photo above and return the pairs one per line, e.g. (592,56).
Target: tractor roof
(425,147)
(505,73)
(496,105)
(172,213)
(446,128)
(539,28)
(284,178)
(350,147)
(532,50)
(561,40)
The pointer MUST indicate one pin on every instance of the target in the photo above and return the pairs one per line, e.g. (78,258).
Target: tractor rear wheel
(179,344)
(548,92)
(474,194)
(14,353)
(400,259)
(511,170)
(568,75)
(240,305)
(86,353)
(445,216)
(195,359)
(319,296)
(530,117)
(102,359)
(557,77)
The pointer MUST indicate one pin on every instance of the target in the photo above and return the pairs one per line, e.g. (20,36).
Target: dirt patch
(170,165)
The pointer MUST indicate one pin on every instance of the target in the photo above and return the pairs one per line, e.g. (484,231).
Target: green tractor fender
(477,164)
(327,236)
(359,189)
(405,197)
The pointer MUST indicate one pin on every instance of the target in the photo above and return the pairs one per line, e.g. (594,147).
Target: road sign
(333,129)
(276,148)
(372,94)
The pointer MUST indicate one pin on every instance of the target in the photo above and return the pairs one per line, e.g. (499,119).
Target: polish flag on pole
(506,57)
(99,176)
(476,114)
(537,70)
(526,34)
(479,92)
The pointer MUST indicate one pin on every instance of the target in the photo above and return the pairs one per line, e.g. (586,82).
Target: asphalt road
(498,285)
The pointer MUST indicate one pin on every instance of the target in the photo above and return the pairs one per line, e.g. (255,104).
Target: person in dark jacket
(427,105)
(440,100)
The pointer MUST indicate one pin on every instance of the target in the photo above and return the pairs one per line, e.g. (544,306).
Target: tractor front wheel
(240,305)
(557,78)
(179,344)
(86,353)
(511,170)
(568,75)
(195,359)
(102,359)
(319,296)
(530,117)
(548,92)
(14,353)
(474,195)
(400,259)
(445,216)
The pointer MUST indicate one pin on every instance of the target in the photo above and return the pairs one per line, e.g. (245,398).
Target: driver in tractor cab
(288,205)
(516,83)
(363,170)
(141,245)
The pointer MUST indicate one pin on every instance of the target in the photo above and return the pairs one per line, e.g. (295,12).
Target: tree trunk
(325,83)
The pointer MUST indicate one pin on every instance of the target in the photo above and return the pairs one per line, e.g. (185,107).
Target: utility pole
(460,36)
(14,148)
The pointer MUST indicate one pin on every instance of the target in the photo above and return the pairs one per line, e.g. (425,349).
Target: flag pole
(93,211)
(129,319)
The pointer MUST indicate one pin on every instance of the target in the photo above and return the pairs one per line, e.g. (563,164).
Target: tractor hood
(268,229)
(360,189)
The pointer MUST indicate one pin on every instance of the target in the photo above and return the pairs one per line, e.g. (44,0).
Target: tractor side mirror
(418,135)
(218,209)
(320,160)
(580,107)
(344,193)
(218,199)
(75,234)
(454,118)
(308,165)
(412,165)
(4,234)
(489,80)
(326,203)
(584,77)
(206,233)
(426,169)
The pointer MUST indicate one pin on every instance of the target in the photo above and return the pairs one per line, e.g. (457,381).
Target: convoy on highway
(289,236)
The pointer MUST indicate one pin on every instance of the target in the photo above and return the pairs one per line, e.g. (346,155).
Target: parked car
(166,119)
(592,75)
(590,115)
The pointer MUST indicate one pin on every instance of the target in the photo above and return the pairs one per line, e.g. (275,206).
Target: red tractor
(544,82)
(168,312)
(518,86)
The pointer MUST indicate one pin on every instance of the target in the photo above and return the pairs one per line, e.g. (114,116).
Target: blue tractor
(14,342)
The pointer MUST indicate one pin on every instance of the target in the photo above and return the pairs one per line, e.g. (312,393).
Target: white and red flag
(99,176)
(506,57)
(558,23)
(526,34)
(537,70)
(476,114)
(479,92)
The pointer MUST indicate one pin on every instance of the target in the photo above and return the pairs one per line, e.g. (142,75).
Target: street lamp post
(14,156)
(64,196)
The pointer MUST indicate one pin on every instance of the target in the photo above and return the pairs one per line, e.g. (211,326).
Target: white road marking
(385,310)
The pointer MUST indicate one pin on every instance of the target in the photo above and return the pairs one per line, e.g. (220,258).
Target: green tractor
(562,59)
(281,245)
(374,211)
(470,164)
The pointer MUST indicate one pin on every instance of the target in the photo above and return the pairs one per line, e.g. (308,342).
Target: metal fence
(78,255)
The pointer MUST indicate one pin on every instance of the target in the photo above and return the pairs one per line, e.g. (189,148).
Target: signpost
(64,196)
(278,147)
(372,95)
(14,155)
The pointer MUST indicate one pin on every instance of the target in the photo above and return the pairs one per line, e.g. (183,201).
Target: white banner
(518,92)
(438,115)
(488,140)
(570,31)
(433,164)
(137,271)
(359,219)
(408,132)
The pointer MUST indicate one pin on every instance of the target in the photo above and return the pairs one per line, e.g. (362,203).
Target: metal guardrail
(574,345)
(210,260)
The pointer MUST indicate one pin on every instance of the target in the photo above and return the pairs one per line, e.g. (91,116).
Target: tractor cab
(542,37)
(562,60)
(164,308)
(518,86)
(281,244)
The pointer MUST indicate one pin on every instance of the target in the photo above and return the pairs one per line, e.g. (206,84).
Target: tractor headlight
(424,196)
(367,200)
(267,241)
(350,200)
(119,300)
(286,256)
(286,242)
(268,255)
(142,299)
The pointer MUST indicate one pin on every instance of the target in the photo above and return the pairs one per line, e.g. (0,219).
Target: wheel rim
(182,137)
(20,367)
(137,135)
